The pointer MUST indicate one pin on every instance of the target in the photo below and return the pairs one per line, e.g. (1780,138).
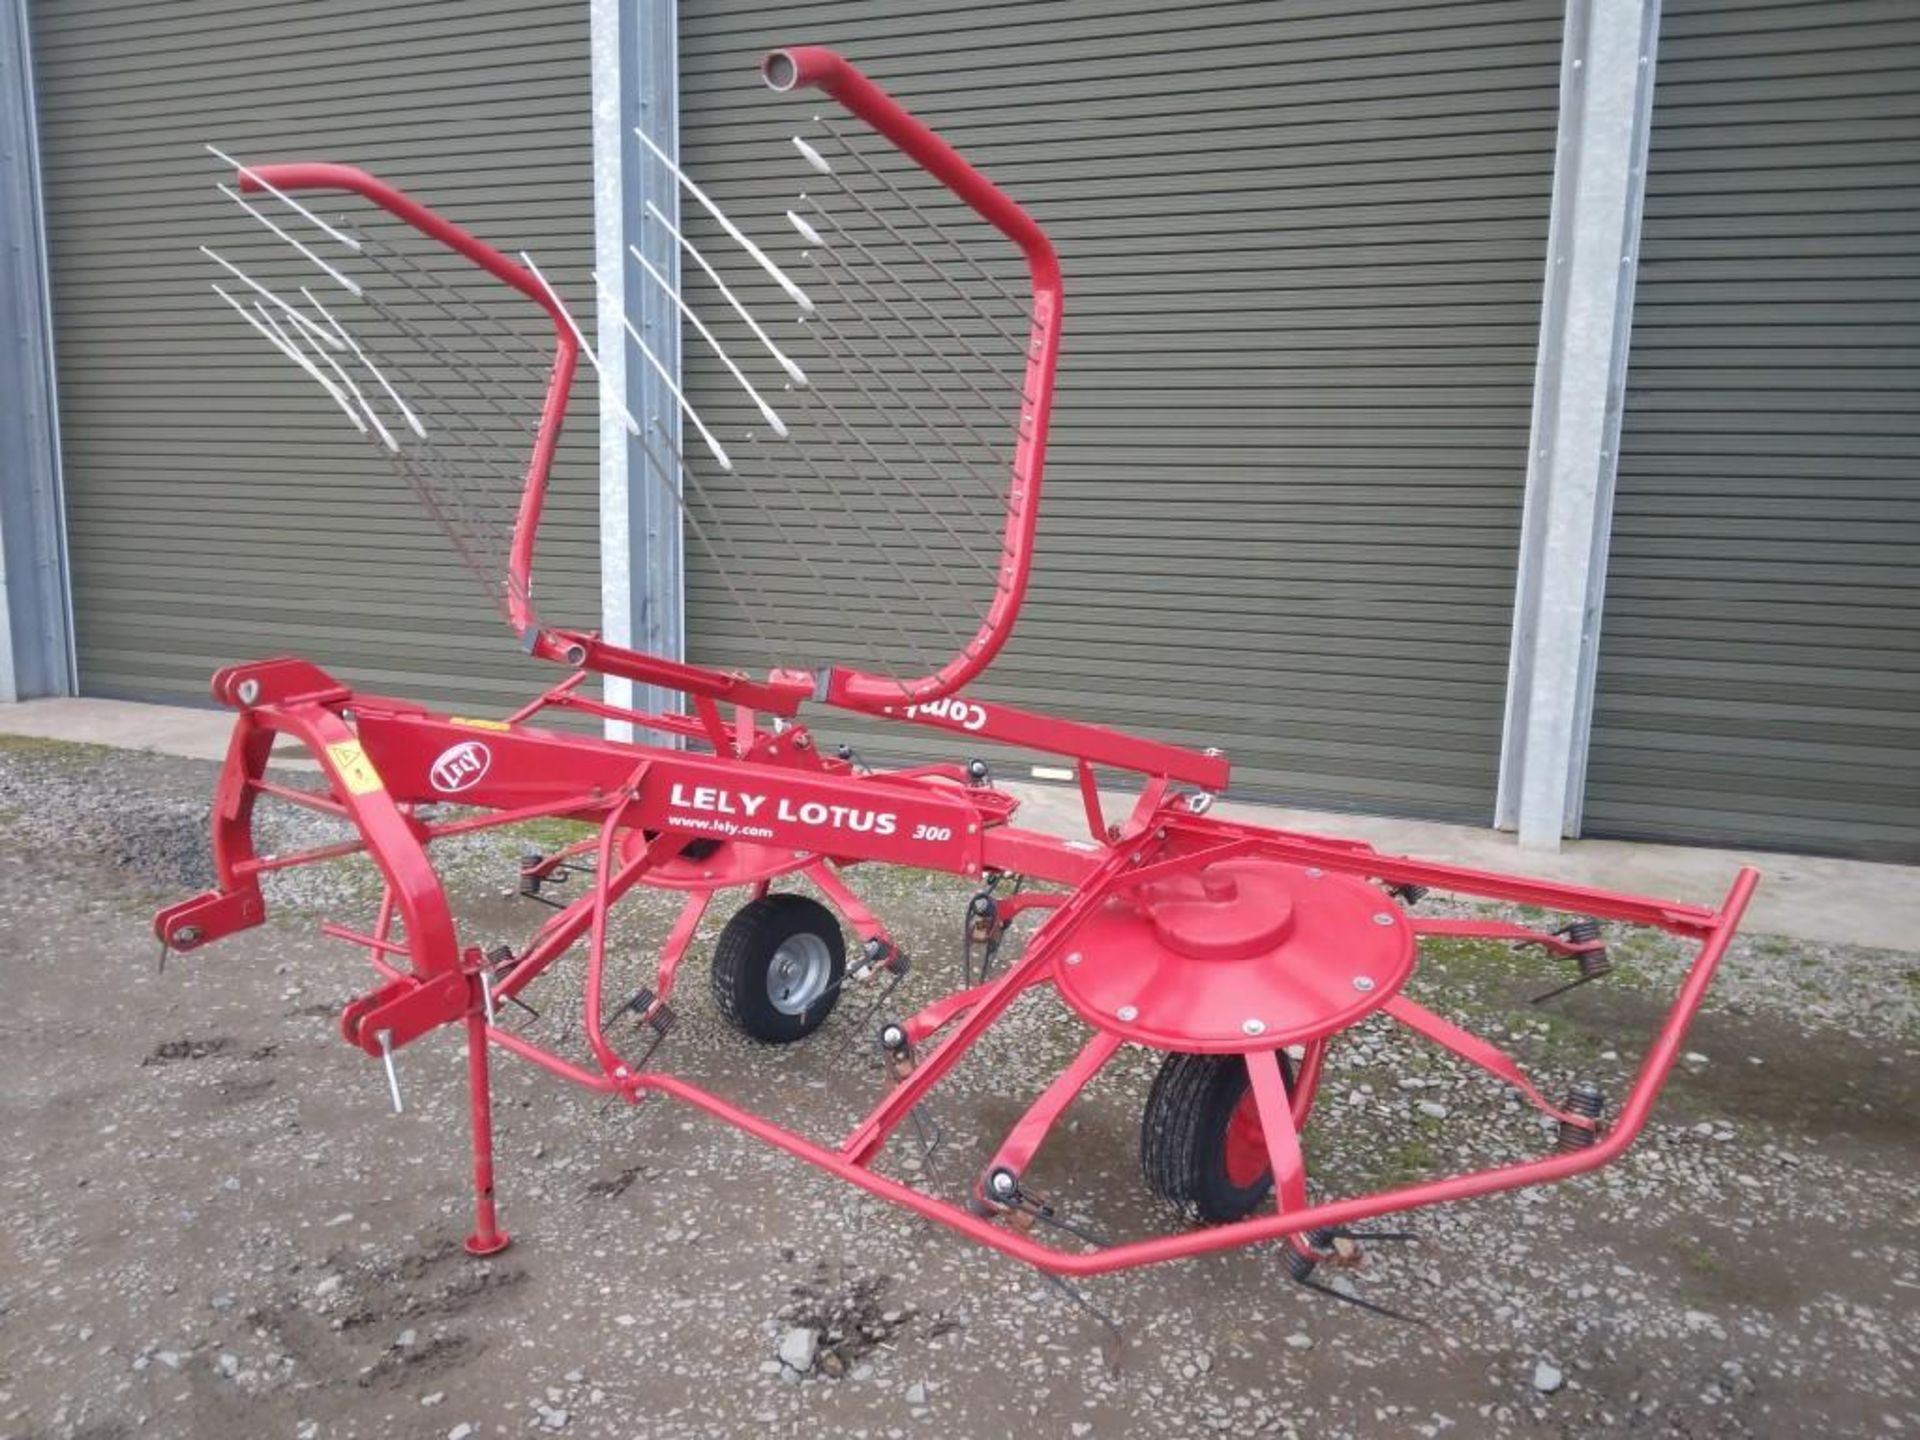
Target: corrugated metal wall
(1759,675)
(1303,248)
(220,509)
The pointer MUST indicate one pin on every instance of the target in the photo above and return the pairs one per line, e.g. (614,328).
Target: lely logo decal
(460,767)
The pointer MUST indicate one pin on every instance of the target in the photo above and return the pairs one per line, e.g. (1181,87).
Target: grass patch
(549,833)
(1404,1162)
(1697,1257)
(1480,960)
(49,746)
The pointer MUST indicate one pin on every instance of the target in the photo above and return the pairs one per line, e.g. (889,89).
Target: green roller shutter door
(1303,248)
(1759,679)
(219,509)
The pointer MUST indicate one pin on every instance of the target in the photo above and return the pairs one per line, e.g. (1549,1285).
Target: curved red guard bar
(319,175)
(830,73)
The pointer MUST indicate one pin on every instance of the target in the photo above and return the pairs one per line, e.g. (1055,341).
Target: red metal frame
(725,803)
(380,771)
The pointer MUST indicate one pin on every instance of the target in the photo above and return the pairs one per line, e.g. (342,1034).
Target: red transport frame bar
(1717,928)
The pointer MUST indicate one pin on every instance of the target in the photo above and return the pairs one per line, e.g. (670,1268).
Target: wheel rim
(1245,1151)
(798,974)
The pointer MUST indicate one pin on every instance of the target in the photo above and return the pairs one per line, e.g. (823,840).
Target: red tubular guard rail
(553,412)
(828,72)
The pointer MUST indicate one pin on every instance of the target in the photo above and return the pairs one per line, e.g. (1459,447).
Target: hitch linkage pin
(385,1037)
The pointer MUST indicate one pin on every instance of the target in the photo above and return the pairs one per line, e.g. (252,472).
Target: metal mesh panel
(438,365)
(862,380)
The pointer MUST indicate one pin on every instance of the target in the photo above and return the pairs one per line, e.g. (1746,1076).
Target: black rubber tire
(745,954)
(1183,1136)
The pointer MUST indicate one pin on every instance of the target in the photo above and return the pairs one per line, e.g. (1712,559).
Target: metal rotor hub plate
(1248,953)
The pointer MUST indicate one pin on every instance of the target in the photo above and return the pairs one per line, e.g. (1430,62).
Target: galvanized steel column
(636,83)
(36,624)
(1606,88)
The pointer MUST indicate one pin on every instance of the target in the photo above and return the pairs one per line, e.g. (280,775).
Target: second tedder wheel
(1201,1145)
(777,968)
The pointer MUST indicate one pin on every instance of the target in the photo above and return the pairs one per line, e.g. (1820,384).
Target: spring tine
(331,342)
(292,204)
(406,410)
(1370,1305)
(360,400)
(666,378)
(1046,1215)
(1573,984)
(767,412)
(579,335)
(806,231)
(476,531)
(794,372)
(339,277)
(277,338)
(779,276)
(293,352)
(1115,1334)
(866,1015)
(931,1135)
(812,156)
(926,1128)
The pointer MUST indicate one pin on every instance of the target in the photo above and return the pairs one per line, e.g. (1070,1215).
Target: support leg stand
(487,1237)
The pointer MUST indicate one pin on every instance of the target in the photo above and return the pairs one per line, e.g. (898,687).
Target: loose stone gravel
(216,1228)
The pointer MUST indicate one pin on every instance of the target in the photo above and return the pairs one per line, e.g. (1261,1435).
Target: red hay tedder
(1242,953)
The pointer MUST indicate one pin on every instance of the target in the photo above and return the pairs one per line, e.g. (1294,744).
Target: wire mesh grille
(440,367)
(870,532)
(857,363)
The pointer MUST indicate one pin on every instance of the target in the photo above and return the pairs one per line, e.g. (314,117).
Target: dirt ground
(215,1227)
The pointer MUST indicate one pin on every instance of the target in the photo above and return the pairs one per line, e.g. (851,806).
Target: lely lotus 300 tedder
(885,365)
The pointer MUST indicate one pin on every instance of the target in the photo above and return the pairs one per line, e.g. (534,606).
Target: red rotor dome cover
(1245,954)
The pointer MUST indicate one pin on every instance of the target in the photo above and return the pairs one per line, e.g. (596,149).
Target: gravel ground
(216,1228)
